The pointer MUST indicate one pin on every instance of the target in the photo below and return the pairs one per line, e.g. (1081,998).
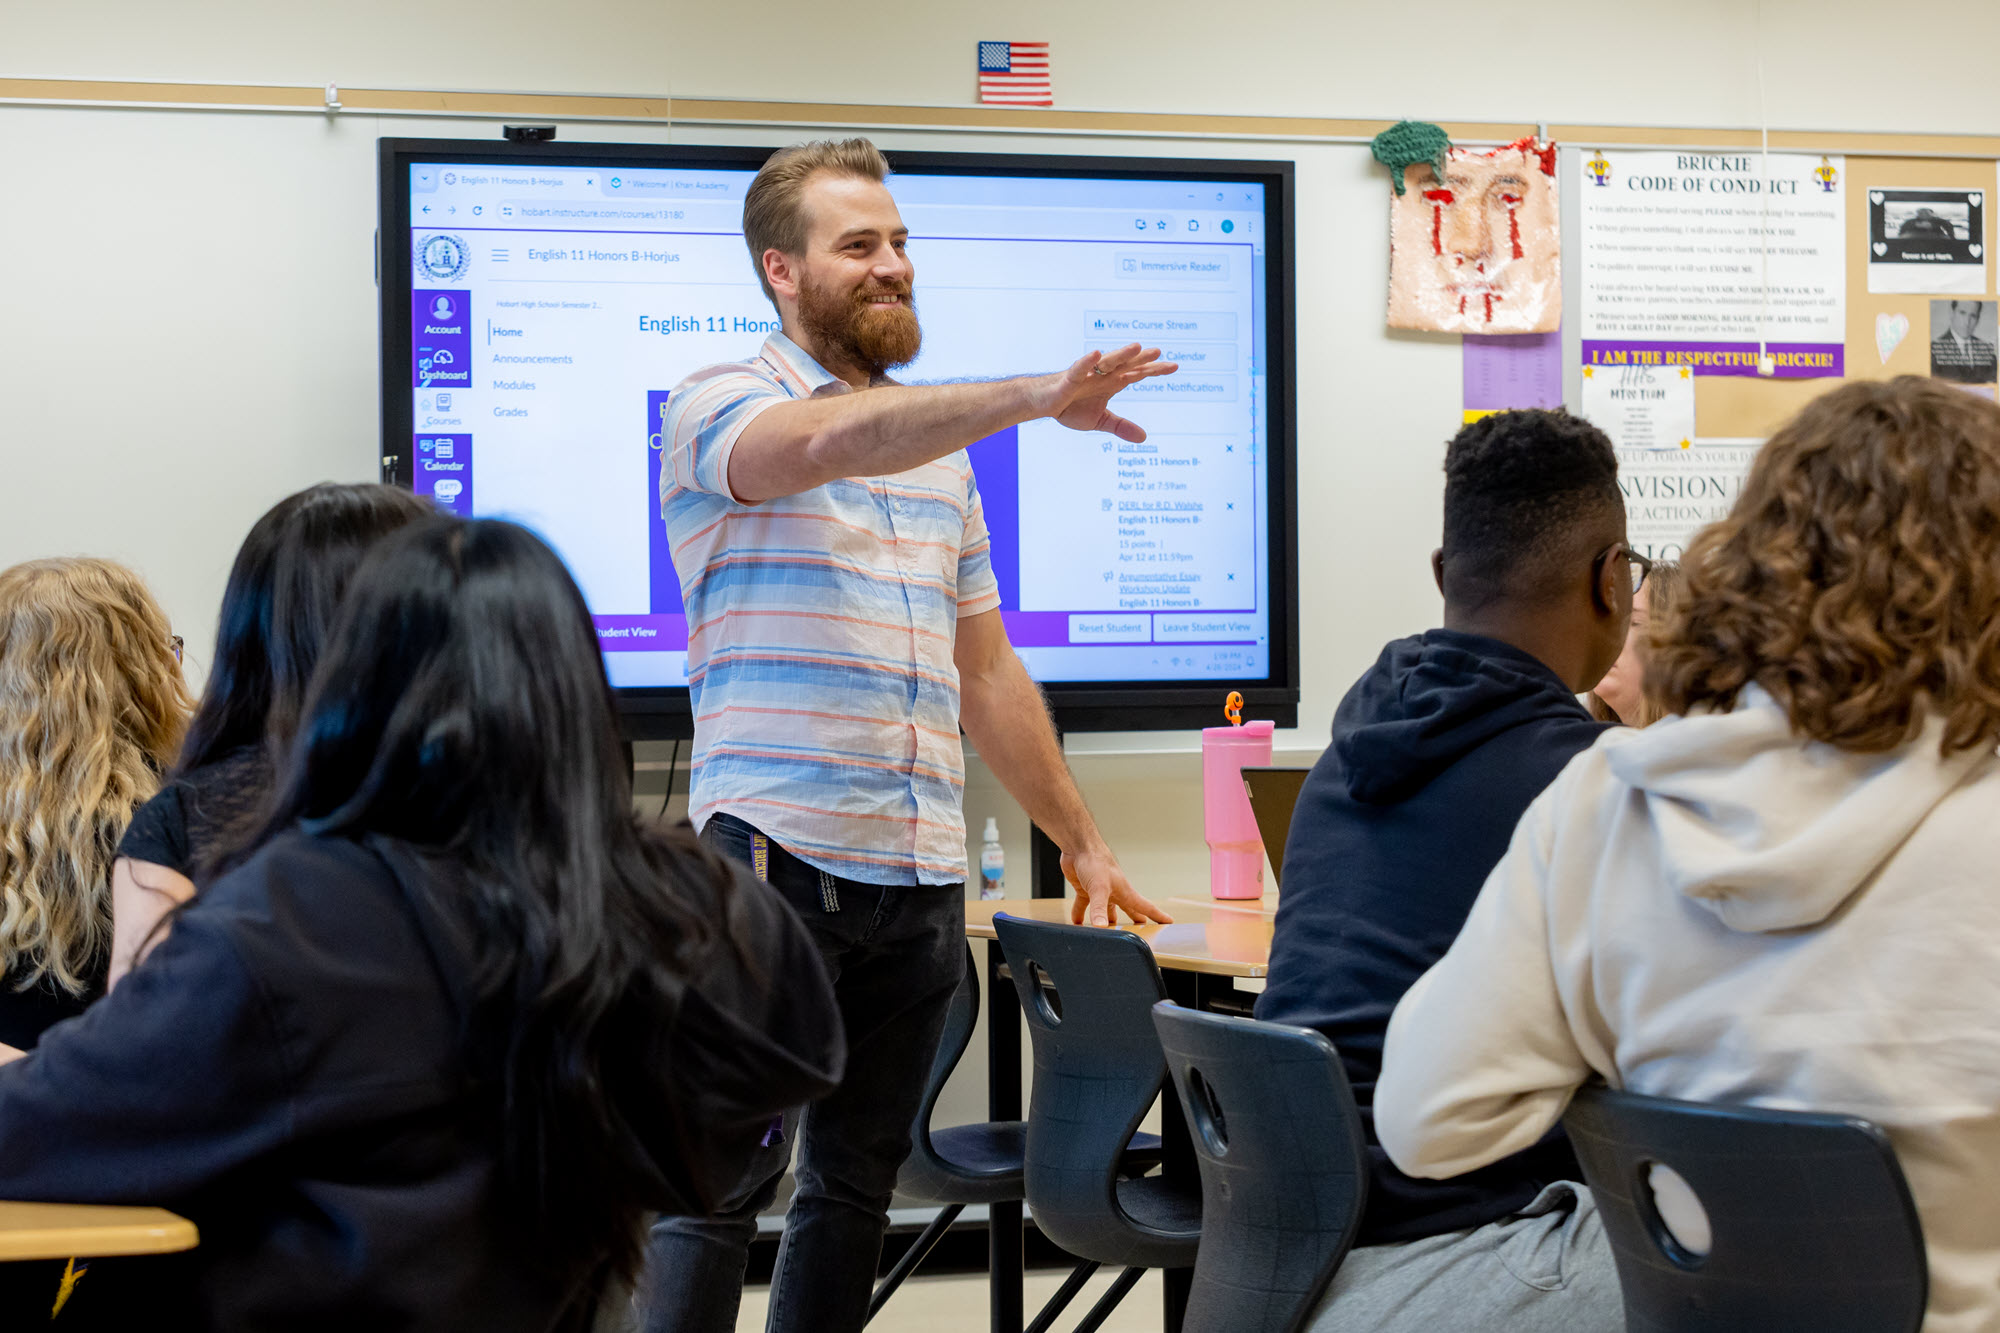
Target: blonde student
(92,707)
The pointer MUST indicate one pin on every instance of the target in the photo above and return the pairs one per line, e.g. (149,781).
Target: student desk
(1209,945)
(89,1231)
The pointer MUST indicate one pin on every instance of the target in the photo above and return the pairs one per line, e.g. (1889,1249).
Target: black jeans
(895,955)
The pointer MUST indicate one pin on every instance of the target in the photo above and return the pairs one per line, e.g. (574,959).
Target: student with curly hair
(92,707)
(1783,895)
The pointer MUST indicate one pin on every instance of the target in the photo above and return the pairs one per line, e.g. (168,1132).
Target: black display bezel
(662,712)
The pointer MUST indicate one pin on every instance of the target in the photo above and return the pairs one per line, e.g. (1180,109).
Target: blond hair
(774,208)
(1857,579)
(1663,594)
(92,706)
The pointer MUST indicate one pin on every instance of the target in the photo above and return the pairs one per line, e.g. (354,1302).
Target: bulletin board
(1747,407)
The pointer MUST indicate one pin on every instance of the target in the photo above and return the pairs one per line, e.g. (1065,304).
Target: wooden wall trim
(975,119)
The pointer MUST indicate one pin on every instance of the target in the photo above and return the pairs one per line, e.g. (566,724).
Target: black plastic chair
(1284,1166)
(1087,994)
(1812,1225)
(977,1163)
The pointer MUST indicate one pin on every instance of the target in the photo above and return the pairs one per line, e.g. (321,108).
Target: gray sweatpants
(1547,1269)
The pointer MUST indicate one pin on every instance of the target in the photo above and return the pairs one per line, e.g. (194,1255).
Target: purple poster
(443,471)
(1513,370)
(441,339)
(1792,360)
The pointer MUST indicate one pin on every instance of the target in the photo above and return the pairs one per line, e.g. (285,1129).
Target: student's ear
(1604,583)
(1437,568)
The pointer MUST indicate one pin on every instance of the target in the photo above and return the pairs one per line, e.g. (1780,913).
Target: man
(843,623)
(1437,750)
(1956,354)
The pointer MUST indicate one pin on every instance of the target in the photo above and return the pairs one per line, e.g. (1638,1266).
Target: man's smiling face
(855,280)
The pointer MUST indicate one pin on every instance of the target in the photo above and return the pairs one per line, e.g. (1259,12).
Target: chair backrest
(1098,1068)
(1811,1223)
(1284,1165)
(925,1174)
(1274,794)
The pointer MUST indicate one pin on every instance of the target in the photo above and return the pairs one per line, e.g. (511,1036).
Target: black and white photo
(1927,241)
(1963,338)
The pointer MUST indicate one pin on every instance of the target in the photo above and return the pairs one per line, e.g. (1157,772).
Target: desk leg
(1003,1102)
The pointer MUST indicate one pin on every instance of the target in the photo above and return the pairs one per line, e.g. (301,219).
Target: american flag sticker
(1014,74)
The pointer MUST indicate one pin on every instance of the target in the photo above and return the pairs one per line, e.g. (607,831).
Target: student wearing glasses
(1436,751)
(1621,696)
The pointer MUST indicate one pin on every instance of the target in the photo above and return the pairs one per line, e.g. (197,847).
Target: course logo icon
(1599,169)
(443,258)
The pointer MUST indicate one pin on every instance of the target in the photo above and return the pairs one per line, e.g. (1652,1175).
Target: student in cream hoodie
(1789,895)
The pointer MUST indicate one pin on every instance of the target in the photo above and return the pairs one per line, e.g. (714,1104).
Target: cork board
(1733,406)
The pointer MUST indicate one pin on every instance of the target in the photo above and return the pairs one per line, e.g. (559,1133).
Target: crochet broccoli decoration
(1408,143)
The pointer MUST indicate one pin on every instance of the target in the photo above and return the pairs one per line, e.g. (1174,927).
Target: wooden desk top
(1222,939)
(89,1231)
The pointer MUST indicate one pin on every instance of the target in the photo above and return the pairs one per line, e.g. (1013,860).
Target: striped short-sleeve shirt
(820,635)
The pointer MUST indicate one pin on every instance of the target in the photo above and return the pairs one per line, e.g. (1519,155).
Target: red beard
(845,327)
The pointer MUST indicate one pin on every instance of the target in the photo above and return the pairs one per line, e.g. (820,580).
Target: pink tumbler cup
(1235,851)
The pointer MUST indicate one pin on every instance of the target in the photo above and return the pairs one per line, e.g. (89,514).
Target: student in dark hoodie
(1436,752)
(455,1024)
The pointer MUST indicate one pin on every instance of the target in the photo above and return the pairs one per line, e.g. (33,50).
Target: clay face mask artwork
(1479,251)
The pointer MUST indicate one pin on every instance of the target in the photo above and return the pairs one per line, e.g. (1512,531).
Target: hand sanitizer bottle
(992,864)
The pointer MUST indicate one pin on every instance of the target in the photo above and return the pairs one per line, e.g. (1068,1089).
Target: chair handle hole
(1673,1214)
(1048,1000)
(1210,1124)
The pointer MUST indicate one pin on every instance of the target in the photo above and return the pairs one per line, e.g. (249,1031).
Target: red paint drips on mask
(1438,199)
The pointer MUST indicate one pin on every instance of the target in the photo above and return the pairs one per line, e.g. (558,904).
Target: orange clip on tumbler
(1235,851)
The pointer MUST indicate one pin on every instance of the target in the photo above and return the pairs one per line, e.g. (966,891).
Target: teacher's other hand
(1102,891)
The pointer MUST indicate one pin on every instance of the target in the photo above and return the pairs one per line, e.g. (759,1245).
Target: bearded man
(843,624)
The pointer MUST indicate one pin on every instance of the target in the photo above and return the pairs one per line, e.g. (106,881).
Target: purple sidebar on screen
(443,471)
(1514,370)
(441,339)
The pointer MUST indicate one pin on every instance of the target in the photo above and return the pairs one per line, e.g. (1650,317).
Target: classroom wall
(186,298)
(1829,64)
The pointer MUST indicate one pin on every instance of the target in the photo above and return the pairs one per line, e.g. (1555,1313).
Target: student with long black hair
(453,1023)
(281,598)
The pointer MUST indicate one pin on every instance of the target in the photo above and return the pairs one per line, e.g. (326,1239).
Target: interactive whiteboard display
(553,308)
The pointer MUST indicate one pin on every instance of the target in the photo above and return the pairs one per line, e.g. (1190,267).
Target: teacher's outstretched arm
(794,446)
(1003,711)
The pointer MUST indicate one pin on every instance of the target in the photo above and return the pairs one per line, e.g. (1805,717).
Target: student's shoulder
(300,885)
(1556,737)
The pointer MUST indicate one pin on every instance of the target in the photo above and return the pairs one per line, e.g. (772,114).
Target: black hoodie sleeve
(755,1037)
(166,1084)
